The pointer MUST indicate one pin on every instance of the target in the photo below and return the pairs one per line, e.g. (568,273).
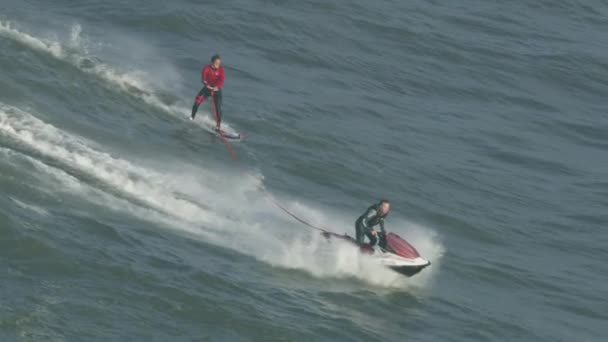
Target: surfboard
(230,135)
(209,126)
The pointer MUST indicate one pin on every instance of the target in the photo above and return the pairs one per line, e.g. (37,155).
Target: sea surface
(484,123)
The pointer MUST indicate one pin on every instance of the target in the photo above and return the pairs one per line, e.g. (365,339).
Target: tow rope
(219,129)
(288,212)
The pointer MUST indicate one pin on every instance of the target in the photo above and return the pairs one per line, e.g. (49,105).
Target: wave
(58,181)
(135,83)
(31,207)
(223,209)
(75,155)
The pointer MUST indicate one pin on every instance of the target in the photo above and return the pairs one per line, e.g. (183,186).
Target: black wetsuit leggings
(361,233)
(202,96)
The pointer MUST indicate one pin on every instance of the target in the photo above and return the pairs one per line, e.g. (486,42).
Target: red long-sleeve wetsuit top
(213,77)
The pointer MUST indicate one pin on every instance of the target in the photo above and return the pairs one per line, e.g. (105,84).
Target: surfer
(213,81)
(366,223)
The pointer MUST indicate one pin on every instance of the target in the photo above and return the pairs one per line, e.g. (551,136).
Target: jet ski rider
(366,223)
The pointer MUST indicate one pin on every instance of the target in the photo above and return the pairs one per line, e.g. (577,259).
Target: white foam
(52,48)
(336,258)
(75,38)
(134,82)
(119,174)
(31,207)
(75,55)
(223,209)
(58,181)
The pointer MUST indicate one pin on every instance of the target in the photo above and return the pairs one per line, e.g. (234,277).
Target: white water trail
(58,181)
(196,200)
(33,208)
(224,209)
(120,175)
(136,83)
(339,259)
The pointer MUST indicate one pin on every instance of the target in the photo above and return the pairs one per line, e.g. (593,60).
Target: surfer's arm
(382,226)
(205,75)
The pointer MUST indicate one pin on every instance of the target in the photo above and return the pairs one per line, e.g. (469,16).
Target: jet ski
(392,252)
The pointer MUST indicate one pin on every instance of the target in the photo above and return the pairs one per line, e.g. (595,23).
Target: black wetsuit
(366,222)
(202,96)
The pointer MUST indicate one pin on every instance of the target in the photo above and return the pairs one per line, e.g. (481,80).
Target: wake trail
(225,209)
(73,154)
(56,181)
(134,83)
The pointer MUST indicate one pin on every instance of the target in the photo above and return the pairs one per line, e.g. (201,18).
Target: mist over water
(121,219)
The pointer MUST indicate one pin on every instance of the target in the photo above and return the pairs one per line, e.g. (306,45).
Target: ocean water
(483,122)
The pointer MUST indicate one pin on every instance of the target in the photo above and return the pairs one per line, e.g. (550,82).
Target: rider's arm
(368,214)
(205,75)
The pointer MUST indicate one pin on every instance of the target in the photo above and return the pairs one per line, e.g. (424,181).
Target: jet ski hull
(397,254)
(409,271)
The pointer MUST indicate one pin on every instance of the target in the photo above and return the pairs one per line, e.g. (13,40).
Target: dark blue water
(483,123)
